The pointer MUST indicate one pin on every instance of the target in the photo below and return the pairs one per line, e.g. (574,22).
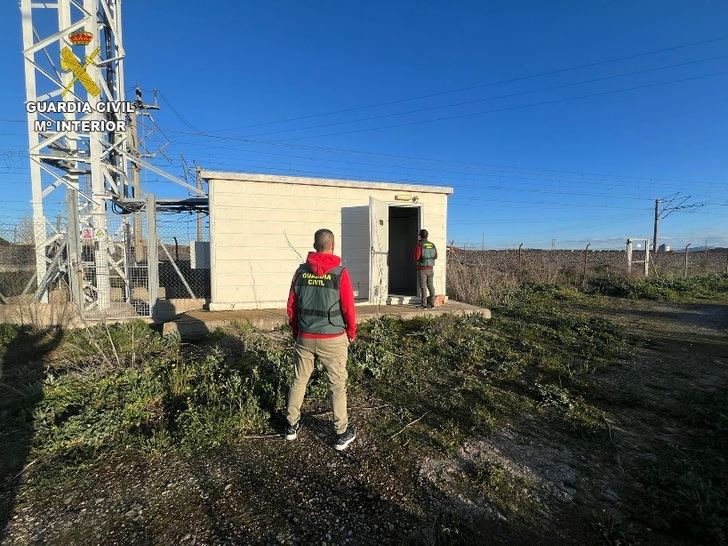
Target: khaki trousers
(333,353)
(425,279)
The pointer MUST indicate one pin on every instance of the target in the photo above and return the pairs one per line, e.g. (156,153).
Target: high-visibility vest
(317,300)
(427,254)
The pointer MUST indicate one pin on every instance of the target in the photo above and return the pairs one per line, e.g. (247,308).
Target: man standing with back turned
(425,256)
(321,316)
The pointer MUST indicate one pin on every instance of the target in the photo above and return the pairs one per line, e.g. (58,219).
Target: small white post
(647,257)
(629,256)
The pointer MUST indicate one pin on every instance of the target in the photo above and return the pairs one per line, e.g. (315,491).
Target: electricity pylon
(73,53)
(664,207)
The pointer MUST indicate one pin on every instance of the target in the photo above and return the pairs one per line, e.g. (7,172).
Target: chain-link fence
(120,252)
(184,256)
(103,268)
(18,279)
(17,270)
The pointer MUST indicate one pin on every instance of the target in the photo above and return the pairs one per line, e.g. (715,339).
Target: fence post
(647,258)
(686,260)
(152,253)
(583,267)
(629,257)
(520,252)
(128,291)
(75,268)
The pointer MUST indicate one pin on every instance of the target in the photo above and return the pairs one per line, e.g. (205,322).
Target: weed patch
(443,379)
(507,491)
(662,288)
(118,386)
(578,414)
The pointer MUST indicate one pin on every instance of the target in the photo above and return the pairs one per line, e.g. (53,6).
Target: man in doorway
(322,319)
(425,256)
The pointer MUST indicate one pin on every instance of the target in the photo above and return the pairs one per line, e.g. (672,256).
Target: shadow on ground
(696,315)
(21,388)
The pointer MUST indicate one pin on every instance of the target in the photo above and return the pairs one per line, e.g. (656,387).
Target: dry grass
(495,277)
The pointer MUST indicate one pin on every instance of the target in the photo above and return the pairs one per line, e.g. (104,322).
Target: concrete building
(261,229)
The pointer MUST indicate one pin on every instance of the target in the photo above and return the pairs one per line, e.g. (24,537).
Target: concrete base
(199,323)
(392,299)
(65,314)
(396,299)
(167,310)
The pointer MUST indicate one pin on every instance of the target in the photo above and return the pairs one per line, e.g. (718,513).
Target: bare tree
(23,231)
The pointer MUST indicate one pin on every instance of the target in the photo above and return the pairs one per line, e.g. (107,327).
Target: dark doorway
(404,222)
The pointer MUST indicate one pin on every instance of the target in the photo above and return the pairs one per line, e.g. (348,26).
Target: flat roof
(335,182)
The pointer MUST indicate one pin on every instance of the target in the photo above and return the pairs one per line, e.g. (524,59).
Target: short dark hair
(323,239)
(424,234)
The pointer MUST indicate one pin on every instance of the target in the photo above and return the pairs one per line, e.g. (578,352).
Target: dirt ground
(268,491)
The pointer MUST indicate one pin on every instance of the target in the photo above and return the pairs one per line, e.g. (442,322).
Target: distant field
(492,274)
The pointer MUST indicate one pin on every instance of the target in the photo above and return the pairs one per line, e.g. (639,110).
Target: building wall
(261,231)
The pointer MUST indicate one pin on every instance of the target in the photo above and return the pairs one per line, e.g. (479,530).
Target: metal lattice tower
(90,165)
(74,54)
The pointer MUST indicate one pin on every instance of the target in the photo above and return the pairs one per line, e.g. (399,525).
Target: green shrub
(124,385)
(209,400)
(579,415)
(113,347)
(376,351)
(8,333)
(120,385)
(669,288)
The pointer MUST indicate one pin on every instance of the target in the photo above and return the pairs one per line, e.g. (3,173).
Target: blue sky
(331,89)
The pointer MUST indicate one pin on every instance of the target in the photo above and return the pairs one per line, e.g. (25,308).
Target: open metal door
(378,251)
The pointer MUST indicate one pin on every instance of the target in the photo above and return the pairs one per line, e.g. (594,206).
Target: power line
(479,86)
(518,107)
(410,158)
(342,151)
(545,178)
(481,186)
(496,97)
(176,113)
(492,83)
(484,186)
(541,179)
